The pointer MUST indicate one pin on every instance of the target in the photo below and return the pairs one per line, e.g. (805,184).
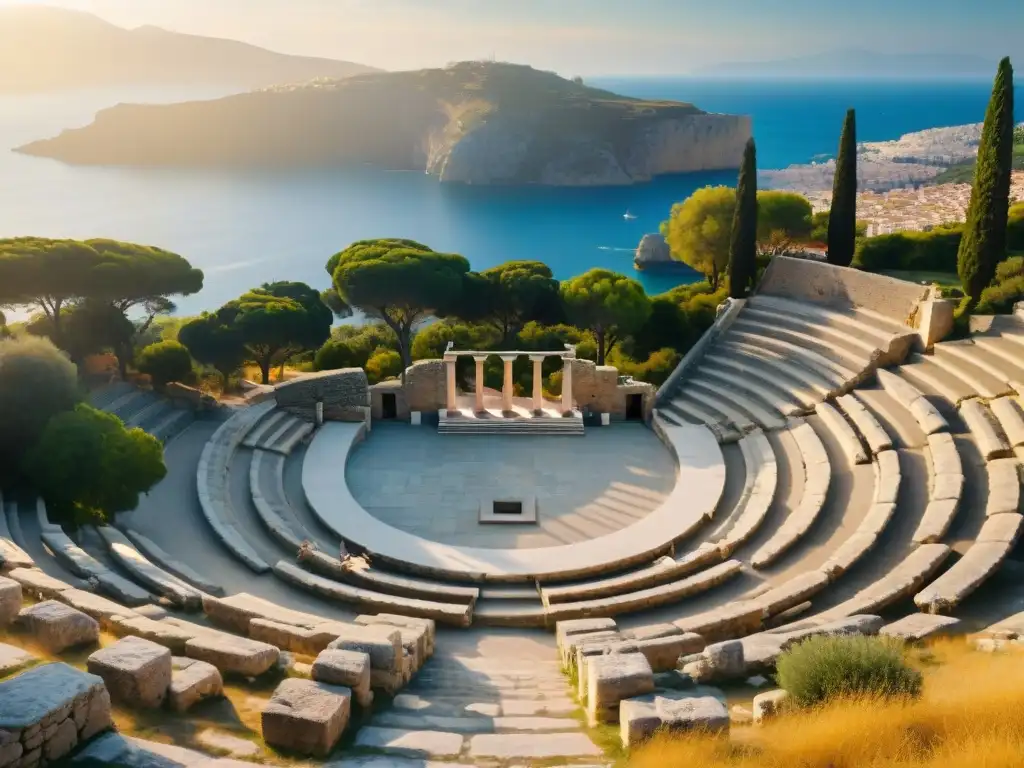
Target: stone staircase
(496,700)
(492,422)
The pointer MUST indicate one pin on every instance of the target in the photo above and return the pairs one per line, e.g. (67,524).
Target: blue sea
(244,229)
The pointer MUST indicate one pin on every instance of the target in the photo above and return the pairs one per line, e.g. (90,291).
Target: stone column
(538,383)
(566,385)
(507,386)
(450,390)
(480,359)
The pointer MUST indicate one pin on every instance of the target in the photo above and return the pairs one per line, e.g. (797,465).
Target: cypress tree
(743,243)
(984,242)
(842,220)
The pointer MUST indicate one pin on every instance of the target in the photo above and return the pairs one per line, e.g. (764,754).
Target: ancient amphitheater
(820,462)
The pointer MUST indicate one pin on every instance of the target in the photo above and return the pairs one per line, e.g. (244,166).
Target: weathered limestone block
(651,631)
(47,711)
(191,682)
(663,652)
(1004,485)
(233,655)
(13,658)
(306,717)
(172,636)
(426,386)
(58,627)
(725,660)
(383,644)
(612,678)
(918,626)
(137,672)
(571,643)
(37,583)
(677,713)
(285,636)
(394,620)
(768,704)
(234,612)
(10,601)
(348,668)
(586,651)
(97,606)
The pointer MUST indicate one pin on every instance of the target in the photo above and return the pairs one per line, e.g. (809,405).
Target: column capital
(539,358)
(481,358)
(449,358)
(509,358)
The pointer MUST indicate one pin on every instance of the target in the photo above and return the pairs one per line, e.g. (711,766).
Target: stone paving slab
(411,742)
(13,659)
(532,746)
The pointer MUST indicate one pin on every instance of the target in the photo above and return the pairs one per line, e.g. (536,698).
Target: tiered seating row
(905,393)
(214,488)
(877,438)
(762,478)
(279,431)
(983,429)
(947,483)
(844,433)
(818,474)
(146,573)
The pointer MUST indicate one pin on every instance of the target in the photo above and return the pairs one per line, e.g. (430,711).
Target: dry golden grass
(970,715)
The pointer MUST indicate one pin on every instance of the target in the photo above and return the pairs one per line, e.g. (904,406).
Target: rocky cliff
(474,123)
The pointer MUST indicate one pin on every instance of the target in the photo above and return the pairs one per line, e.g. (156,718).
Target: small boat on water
(628,216)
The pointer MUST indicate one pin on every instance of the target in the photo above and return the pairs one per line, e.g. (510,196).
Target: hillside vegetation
(45,49)
(474,122)
(963,173)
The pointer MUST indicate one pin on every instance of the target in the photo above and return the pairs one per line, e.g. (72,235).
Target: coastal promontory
(473,122)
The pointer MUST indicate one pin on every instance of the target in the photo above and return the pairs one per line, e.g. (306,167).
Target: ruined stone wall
(597,388)
(425,386)
(805,280)
(47,711)
(345,394)
(377,392)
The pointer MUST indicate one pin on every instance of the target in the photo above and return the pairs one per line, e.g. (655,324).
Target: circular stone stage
(433,485)
(568,477)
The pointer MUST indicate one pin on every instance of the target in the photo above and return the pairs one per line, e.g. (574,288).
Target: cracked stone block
(58,627)
(192,681)
(725,660)
(306,717)
(383,644)
(348,668)
(612,678)
(678,713)
(10,601)
(137,672)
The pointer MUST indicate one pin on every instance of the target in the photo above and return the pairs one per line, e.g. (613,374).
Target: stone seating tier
(146,573)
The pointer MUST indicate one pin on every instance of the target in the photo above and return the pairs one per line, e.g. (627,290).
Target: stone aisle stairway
(498,699)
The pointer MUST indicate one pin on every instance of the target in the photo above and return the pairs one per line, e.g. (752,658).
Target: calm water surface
(246,228)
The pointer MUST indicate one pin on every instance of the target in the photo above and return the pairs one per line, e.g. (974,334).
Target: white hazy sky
(582,36)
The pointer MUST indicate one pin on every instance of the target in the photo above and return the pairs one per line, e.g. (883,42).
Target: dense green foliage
(1006,290)
(699,229)
(266,326)
(350,346)
(510,295)
(963,173)
(88,467)
(164,362)
(823,668)
(607,304)
(842,221)
(743,240)
(111,278)
(37,382)
(984,241)
(400,282)
(383,364)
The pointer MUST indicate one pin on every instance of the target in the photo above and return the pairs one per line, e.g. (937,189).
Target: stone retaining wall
(821,283)
(425,386)
(345,394)
(47,711)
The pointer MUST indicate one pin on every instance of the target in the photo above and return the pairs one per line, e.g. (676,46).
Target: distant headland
(472,122)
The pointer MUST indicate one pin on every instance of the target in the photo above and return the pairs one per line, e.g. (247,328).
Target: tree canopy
(698,231)
(50,274)
(510,295)
(213,340)
(607,304)
(782,217)
(401,282)
(984,240)
(88,467)
(164,362)
(37,382)
(743,241)
(842,220)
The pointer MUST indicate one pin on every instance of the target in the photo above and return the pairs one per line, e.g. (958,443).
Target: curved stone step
(961,360)
(150,576)
(986,554)
(818,474)
(85,566)
(152,551)
(932,379)
(821,385)
(982,427)
(845,435)
(797,348)
(830,337)
(747,407)
(758,369)
(867,425)
(946,483)
(762,477)
(905,393)
(1009,412)
(757,390)
(855,320)
(1003,487)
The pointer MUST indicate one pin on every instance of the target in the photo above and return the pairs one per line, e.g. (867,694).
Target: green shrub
(999,299)
(164,362)
(823,668)
(383,364)
(934,251)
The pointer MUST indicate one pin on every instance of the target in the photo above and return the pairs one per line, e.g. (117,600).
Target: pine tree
(842,220)
(743,243)
(984,241)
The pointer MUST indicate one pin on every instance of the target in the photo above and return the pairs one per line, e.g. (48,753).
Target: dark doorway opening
(634,407)
(508,507)
(388,406)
